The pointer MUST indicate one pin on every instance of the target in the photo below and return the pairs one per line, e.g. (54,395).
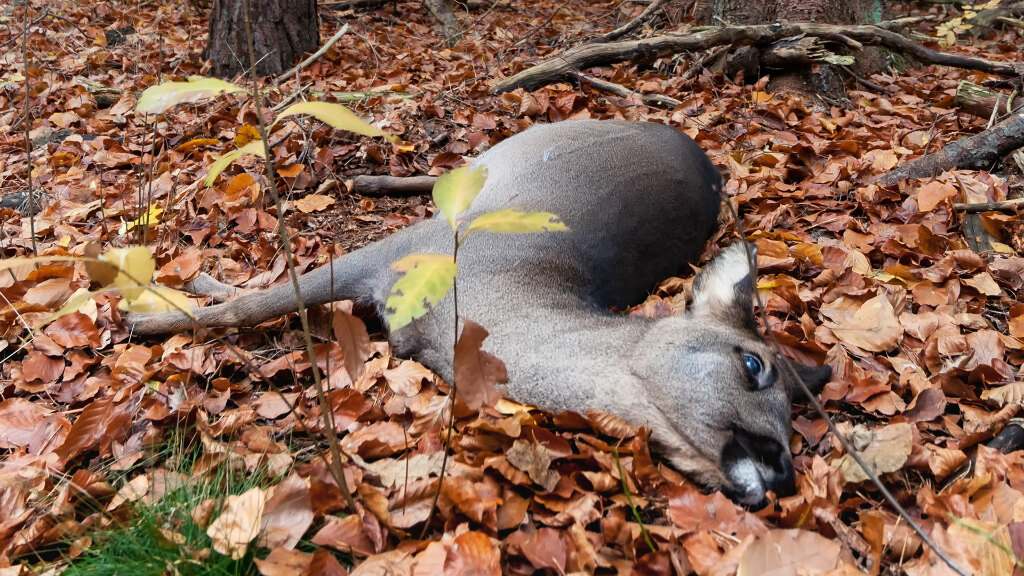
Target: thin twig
(32,207)
(632,24)
(284,76)
(268,159)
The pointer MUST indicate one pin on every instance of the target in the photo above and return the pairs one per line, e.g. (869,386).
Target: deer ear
(723,290)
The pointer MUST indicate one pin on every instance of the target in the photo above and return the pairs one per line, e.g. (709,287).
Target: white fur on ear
(722,286)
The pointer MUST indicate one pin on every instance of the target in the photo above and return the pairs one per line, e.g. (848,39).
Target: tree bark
(282,31)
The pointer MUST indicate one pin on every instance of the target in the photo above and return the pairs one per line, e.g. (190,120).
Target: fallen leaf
(239,522)
(883,449)
(313,202)
(476,372)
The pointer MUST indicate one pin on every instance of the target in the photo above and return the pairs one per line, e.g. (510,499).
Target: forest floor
(168,455)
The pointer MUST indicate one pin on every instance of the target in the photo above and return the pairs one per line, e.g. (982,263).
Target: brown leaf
(239,522)
(933,193)
(325,564)
(350,334)
(18,420)
(312,202)
(345,535)
(87,429)
(39,367)
(390,563)
(474,554)
(873,327)
(884,449)
(284,562)
(74,330)
(533,458)
(287,514)
(545,548)
(789,553)
(476,372)
(407,378)
(181,269)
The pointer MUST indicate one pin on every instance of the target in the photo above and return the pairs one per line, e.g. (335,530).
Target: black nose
(776,467)
(782,480)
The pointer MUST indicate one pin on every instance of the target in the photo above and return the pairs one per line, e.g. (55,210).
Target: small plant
(948,31)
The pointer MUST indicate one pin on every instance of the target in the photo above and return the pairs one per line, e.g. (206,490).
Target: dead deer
(641,200)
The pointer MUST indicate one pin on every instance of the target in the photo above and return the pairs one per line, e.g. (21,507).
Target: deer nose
(771,459)
(780,478)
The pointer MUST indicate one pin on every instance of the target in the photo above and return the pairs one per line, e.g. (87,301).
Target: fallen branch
(984,102)
(990,206)
(623,92)
(285,76)
(632,24)
(353,5)
(973,152)
(564,67)
(369,185)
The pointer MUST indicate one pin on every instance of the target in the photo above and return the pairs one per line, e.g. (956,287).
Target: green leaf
(254,147)
(515,221)
(157,99)
(336,115)
(427,279)
(456,190)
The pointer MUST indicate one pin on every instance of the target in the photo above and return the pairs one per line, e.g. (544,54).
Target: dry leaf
(239,522)
(883,449)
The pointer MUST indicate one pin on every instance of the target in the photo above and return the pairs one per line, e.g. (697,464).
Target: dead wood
(632,25)
(353,5)
(973,152)
(566,65)
(990,206)
(369,185)
(985,102)
(621,91)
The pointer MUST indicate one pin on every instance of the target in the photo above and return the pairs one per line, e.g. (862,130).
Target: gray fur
(640,200)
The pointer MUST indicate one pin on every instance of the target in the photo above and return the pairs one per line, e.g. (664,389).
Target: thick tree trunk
(282,31)
(822,79)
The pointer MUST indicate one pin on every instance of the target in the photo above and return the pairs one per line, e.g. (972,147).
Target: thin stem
(28,126)
(451,396)
(328,414)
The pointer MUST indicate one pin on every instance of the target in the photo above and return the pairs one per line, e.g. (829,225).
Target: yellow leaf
(158,298)
(337,116)
(514,221)
(135,267)
(197,143)
(456,190)
(247,133)
(157,99)
(427,279)
(255,147)
(152,216)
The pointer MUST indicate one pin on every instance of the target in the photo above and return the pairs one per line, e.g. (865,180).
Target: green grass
(136,546)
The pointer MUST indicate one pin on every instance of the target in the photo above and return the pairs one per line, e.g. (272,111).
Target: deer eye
(753,364)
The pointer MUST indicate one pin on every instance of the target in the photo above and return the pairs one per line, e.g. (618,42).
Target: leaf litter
(922,333)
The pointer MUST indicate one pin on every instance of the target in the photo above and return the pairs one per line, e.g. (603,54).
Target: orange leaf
(476,371)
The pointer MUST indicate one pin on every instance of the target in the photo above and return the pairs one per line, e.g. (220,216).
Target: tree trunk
(282,31)
(822,79)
